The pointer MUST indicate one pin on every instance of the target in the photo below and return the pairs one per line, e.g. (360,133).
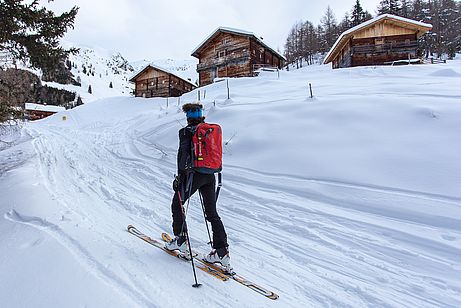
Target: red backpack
(207,148)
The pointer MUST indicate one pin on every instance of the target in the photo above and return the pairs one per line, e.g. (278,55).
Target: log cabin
(154,81)
(383,40)
(231,52)
(34,111)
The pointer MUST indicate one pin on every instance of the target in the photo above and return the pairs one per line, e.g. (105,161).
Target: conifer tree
(358,13)
(31,32)
(90,90)
(389,7)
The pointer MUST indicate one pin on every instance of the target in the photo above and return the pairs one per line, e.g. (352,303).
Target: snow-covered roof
(235,31)
(160,69)
(47,108)
(368,23)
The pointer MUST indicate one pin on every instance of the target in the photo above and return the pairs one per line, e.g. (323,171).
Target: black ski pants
(206,185)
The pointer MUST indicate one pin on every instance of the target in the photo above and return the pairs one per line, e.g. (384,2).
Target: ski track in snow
(324,242)
(81,254)
(317,242)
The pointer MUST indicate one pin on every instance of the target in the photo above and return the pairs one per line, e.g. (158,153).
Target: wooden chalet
(379,41)
(233,53)
(34,111)
(154,81)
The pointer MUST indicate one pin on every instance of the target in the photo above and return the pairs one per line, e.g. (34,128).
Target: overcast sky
(159,29)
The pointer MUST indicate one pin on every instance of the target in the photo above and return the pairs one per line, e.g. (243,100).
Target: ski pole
(184,226)
(206,223)
(187,195)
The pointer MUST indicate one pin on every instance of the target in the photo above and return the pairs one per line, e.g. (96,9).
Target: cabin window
(221,54)
(225,41)
(379,41)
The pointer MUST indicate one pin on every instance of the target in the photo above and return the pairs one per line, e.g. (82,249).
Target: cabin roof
(404,22)
(195,52)
(154,66)
(47,108)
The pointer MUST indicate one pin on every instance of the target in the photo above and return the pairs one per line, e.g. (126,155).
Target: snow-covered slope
(100,68)
(349,199)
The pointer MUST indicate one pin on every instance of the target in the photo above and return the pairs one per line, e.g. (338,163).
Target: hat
(193,110)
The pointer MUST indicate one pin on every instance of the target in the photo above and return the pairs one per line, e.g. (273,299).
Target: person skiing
(186,184)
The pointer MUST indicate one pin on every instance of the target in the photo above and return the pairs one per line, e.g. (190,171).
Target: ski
(263,291)
(207,269)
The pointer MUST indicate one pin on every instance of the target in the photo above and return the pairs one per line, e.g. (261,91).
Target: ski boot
(221,256)
(179,243)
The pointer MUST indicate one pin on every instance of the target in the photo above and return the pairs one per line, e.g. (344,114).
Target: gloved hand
(177,182)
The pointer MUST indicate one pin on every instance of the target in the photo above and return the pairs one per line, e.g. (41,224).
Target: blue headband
(197,113)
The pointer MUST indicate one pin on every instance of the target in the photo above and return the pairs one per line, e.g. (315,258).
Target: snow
(50,108)
(348,199)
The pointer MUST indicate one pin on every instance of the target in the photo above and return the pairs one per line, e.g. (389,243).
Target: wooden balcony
(399,47)
(221,61)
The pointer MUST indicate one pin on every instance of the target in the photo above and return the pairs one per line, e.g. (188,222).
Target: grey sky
(158,29)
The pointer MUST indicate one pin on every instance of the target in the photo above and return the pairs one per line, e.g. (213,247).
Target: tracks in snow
(319,242)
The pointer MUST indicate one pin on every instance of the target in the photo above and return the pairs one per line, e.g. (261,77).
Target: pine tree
(405,8)
(90,90)
(110,85)
(389,7)
(447,32)
(30,32)
(418,10)
(357,14)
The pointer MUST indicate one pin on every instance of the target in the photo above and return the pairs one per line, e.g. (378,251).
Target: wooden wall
(232,55)
(33,115)
(383,29)
(157,83)
(262,56)
(377,50)
(226,55)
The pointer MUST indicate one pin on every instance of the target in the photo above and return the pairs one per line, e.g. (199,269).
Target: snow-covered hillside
(100,68)
(348,199)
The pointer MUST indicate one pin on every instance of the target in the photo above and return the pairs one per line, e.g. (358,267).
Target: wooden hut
(230,52)
(154,81)
(379,41)
(34,111)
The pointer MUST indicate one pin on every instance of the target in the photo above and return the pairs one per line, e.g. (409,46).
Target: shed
(379,41)
(38,111)
(229,52)
(154,81)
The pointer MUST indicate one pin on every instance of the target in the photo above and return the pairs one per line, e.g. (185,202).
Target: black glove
(176,183)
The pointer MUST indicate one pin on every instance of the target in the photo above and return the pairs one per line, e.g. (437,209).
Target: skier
(186,184)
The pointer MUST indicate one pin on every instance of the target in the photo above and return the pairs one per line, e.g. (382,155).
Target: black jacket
(185,150)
